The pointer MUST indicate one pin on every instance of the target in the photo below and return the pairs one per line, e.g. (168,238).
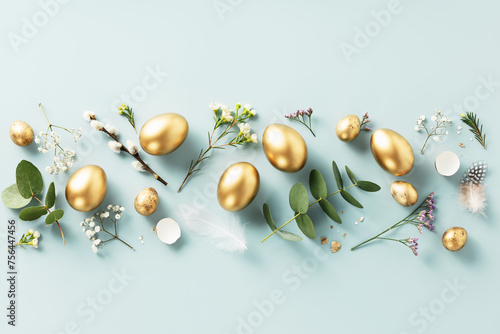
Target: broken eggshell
(168,231)
(447,163)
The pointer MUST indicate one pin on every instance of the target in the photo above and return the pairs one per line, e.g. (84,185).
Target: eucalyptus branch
(55,221)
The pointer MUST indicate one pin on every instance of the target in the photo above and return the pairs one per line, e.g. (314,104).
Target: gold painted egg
(404,193)
(147,202)
(284,148)
(21,133)
(238,186)
(392,152)
(454,239)
(348,128)
(86,188)
(163,134)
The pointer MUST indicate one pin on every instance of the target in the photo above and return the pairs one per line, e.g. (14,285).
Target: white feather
(473,197)
(224,234)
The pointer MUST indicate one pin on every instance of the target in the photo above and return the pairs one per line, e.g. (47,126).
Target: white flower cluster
(228,115)
(63,158)
(435,131)
(245,133)
(33,235)
(93,225)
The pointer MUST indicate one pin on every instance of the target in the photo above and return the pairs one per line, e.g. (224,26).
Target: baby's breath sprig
(127,112)
(49,140)
(94,226)
(28,239)
(116,145)
(300,116)
(436,131)
(225,119)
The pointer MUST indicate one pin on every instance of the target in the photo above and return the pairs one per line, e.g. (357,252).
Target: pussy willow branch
(136,156)
(56,221)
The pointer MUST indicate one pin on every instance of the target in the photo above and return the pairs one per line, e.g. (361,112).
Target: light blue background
(278,56)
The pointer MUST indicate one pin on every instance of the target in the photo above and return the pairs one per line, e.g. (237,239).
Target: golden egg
(348,128)
(163,134)
(146,202)
(392,152)
(238,186)
(86,188)
(404,193)
(454,239)
(21,133)
(284,148)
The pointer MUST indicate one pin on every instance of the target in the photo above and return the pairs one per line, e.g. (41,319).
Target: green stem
(316,201)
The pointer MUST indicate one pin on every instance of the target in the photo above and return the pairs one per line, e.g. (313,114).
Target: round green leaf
(338,177)
(53,216)
(368,186)
(28,179)
(13,199)
(299,201)
(32,213)
(50,198)
(317,184)
(268,216)
(330,210)
(350,199)
(288,235)
(306,225)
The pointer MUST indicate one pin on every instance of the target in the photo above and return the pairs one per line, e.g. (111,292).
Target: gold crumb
(324,240)
(344,235)
(335,246)
(461,145)
(331,226)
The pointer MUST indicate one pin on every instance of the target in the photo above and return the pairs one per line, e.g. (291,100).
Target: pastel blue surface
(178,56)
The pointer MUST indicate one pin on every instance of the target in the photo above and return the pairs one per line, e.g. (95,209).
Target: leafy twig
(127,112)
(300,116)
(471,120)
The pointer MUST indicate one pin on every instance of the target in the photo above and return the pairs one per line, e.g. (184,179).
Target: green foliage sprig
(471,120)
(127,112)
(29,184)
(299,202)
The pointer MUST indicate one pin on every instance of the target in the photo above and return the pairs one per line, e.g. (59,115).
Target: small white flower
(110,207)
(254,138)
(35,242)
(84,230)
(248,107)
(226,115)
(417,128)
(94,248)
(36,234)
(98,229)
(87,220)
(30,231)
(132,147)
(118,216)
(91,224)
(253,112)
(436,138)
(37,140)
(88,115)
(419,122)
(49,169)
(97,241)
(138,166)
(446,133)
(96,125)
(422,118)
(122,209)
(111,129)
(40,149)
(115,146)
(88,233)
(82,223)
(433,118)
(244,127)
(214,106)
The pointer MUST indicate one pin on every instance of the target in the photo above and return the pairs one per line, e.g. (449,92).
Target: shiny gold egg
(392,152)
(21,133)
(348,128)
(146,202)
(163,134)
(404,193)
(86,188)
(238,186)
(284,148)
(454,239)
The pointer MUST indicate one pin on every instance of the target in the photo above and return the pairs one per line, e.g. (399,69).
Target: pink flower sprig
(421,217)
(364,121)
(300,116)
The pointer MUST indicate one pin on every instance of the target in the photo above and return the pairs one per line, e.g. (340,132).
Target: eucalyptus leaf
(288,235)
(368,186)
(299,201)
(317,184)
(351,175)
(28,179)
(13,199)
(338,177)
(306,225)
(350,199)
(50,198)
(53,216)
(32,213)
(268,216)
(330,210)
